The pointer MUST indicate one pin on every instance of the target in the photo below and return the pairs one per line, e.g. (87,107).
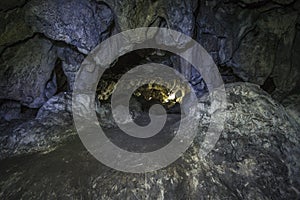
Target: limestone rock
(105,116)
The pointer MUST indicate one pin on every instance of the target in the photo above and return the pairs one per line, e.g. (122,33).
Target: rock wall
(252,41)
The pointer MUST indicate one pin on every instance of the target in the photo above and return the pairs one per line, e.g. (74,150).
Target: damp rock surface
(256,157)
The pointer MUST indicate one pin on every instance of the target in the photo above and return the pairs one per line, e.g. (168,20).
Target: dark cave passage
(255,45)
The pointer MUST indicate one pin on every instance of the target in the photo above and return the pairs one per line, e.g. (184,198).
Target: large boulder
(177,15)
(52,125)
(61,102)
(13,27)
(26,72)
(257,40)
(81,23)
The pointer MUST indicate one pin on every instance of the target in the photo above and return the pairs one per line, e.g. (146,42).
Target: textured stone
(13,27)
(10,110)
(292,106)
(105,116)
(26,71)
(81,23)
(256,157)
(41,134)
(58,103)
(177,15)
(52,125)
(6,5)
(71,62)
(256,40)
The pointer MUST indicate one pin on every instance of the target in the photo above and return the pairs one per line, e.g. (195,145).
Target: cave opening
(170,96)
(150,93)
(61,78)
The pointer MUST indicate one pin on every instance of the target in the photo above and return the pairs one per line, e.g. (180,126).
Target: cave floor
(68,170)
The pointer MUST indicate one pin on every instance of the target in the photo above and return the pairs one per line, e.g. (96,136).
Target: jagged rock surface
(292,106)
(50,128)
(177,15)
(13,27)
(255,41)
(10,110)
(256,157)
(25,72)
(71,62)
(258,41)
(81,23)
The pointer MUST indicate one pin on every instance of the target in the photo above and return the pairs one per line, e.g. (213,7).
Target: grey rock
(81,23)
(177,15)
(6,5)
(13,27)
(51,126)
(285,72)
(106,118)
(58,103)
(256,40)
(292,106)
(71,62)
(255,57)
(256,157)
(25,71)
(10,110)
(28,136)
(284,2)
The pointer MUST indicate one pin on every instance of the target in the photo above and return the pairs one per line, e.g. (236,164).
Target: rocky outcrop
(254,38)
(71,61)
(13,27)
(59,103)
(292,106)
(105,116)
(10,110)
(51,127)
(81,23)
(253,41)
(256,157)
(26,72)
(177,15)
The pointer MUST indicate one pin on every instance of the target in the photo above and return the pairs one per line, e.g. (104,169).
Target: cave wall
(254,41)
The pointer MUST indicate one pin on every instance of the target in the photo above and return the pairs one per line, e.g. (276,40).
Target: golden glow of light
(172,97)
